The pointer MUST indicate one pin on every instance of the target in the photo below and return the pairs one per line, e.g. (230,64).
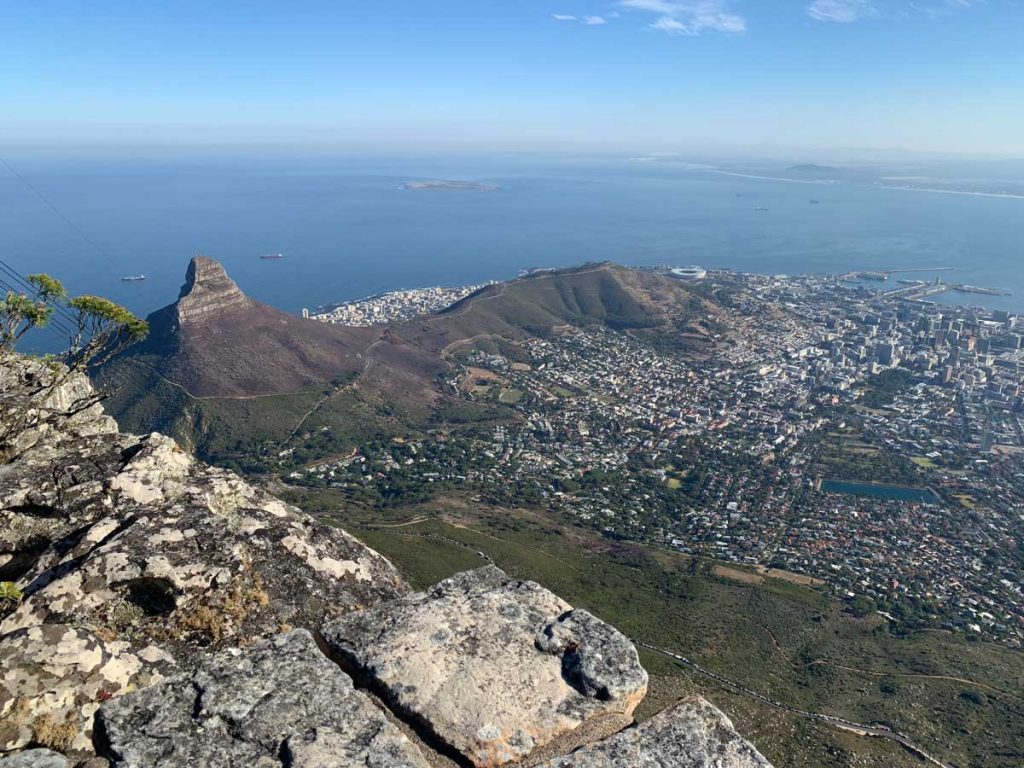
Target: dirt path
(851,726)
(949,678)
(351,385)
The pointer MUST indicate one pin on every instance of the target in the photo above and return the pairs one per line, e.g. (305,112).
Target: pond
(880,490)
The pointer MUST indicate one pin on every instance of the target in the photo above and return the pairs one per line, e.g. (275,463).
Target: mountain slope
(215,341)
(594,294)
(233,378)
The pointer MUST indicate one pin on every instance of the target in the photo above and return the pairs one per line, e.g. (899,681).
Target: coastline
(1006,195)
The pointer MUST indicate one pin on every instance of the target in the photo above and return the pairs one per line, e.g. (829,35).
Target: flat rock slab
(692,734)
(491,667)
(280,703)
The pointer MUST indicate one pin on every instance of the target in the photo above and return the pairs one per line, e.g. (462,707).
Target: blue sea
(348,229)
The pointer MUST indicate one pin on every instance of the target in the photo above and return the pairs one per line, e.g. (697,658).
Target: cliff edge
(156,611)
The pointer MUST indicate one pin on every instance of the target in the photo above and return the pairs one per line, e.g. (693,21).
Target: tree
(100,328)
(861,606)
(21,312)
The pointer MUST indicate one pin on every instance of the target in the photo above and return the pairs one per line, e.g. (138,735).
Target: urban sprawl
(870,440)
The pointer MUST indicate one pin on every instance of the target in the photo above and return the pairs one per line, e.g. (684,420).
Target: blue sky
(576,75)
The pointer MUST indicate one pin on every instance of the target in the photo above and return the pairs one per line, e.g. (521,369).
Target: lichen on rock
(132,559)
(280,703)
(492,666)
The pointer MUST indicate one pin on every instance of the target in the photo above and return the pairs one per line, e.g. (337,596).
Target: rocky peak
(207,290)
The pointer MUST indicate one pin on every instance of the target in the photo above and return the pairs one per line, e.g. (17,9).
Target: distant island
(448,186)
(811,169)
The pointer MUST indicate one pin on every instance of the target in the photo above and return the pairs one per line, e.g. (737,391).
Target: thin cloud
(689,17)
(587,21)
(841,11)
(849,11)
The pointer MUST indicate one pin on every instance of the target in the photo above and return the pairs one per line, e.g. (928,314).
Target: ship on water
(133,278)
(272,256)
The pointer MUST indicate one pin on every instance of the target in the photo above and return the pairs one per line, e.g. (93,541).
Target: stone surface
(494,668)
(132,557)
(207,290)
(54,678)
(280,703)
(692,734)
(35,758)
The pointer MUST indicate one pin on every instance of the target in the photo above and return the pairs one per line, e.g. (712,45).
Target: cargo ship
(133,278)
(272,256)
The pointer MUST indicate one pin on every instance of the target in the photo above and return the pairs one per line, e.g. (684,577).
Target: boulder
(280,703)
(692,734)
(35,758)
(492,667)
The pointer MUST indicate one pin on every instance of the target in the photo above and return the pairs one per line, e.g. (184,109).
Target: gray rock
(494,668)
(280,703)
(35,758)
(132,557)
(54,678)
(692,734)
(596,658)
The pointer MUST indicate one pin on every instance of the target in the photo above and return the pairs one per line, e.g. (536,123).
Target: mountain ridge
(214,354)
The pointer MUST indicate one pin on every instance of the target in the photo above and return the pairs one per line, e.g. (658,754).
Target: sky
(643,76)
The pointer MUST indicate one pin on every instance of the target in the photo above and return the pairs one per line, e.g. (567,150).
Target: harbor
(919,290)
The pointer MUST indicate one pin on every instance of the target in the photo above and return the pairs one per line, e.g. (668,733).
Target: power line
(69,320)
(54,324)
(95,246)
(5,267)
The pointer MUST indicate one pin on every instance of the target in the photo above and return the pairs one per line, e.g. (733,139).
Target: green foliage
(21,312)
(10,597)
(861,606)
(47,288)
(102,329)
(100,324)
(886,386)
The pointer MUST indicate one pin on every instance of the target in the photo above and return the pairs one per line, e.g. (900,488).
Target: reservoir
(880,490)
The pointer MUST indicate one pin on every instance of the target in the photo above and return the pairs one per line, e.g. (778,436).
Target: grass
(787,640)
(923,461)
(511,396)
(966,500)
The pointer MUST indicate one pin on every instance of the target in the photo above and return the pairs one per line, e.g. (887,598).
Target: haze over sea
(348,229)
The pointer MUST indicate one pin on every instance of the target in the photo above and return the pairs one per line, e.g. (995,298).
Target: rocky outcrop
(215,341)
(207,290)
(281,703)
(493,667)
(692,734)
(133,559)
(157,610)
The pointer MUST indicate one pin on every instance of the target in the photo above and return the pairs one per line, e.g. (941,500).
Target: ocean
(348,229)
